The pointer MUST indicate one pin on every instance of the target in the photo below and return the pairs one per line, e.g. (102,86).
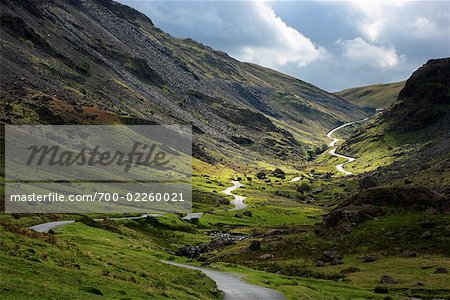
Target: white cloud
(382,20)
(423,28)
(372,29)
(284,44)
(359,51)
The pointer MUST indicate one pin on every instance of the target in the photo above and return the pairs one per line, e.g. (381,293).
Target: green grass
(375,96)
(301,288)
(83,260)
(122,259)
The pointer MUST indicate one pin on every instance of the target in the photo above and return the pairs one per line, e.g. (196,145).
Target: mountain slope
(373,96)
(97,61)
(410,142)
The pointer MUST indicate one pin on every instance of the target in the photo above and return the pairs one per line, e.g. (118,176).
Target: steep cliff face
(424,99)
(97,61)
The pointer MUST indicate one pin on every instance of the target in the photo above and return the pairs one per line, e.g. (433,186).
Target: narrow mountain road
(233,287)
(46,227)
(332,144)
(238,201)
(340,167)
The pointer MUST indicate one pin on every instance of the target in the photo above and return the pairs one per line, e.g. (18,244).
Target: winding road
(332,144)
(46,227)
(233,287)
(238,201)
(340,167)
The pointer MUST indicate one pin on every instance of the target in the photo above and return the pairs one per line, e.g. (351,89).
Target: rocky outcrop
(376,202)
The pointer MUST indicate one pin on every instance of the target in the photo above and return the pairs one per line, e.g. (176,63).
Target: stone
(255,245)
(261,175)
(266,256)
(238,215)
(368,258)
(380,290)
(409,254)
(320,263)
(317,191)
(431,211)
(279,173)
(420,283)
(331,255)
(440,270)
(387,279)
(426,267)
(247,213)
(426,235)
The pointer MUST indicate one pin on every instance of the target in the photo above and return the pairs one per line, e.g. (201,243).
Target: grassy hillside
(373,96)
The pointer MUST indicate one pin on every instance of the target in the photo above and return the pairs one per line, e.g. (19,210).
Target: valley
(297,193)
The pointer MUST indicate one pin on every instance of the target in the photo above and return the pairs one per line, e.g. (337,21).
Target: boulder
(329,256)
(261,175)
(368,182)
(266,256)
(255,245)
(317,191)
(247,213)
(426,235)
(279,173)
(387,279)
(368,258)
(409,254)
(224,201)
(431,211)
(380,290)
(193,251)
(320,263)
(440,270)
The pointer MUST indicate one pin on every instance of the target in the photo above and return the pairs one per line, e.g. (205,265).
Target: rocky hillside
(409,144)
(373,96)
(100,62)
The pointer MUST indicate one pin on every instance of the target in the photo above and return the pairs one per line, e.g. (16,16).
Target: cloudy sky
(332,44)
